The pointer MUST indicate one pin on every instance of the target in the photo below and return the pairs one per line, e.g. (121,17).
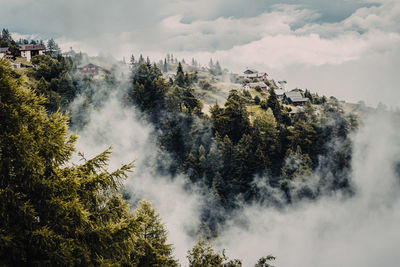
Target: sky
(346,48)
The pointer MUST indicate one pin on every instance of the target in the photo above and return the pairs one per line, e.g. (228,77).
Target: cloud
(335,230)
(361,230)
(114,124)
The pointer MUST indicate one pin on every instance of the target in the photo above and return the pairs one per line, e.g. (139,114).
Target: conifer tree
(151,247)
(165,66)
(52,212)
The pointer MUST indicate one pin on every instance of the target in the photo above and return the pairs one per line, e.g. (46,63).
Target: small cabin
(92,70)
(5,53)
(262,85)
(280,93)
(296,98)
(253,74)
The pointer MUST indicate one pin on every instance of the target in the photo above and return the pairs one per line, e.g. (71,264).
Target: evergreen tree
(151,248)
(202,254)
(52,48)
(132,60)
(141,60)
(165,66)
(217,69)
(263,262)
(148,62)
(55,213)
(274,104)
(180,76)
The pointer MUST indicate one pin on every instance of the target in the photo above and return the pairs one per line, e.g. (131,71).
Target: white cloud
(334,231)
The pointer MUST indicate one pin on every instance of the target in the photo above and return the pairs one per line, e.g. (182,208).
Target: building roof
(3,49)
(30,47)
(279,92)
(250,71)
(295,96)
(88,66)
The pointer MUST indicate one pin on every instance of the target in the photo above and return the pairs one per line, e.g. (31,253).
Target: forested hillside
(55,212)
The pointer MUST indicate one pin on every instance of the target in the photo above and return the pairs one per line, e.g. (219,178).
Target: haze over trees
(57,213)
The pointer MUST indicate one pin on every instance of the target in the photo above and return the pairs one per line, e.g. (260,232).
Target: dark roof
(3,49)
(250,71)
(30,47)
(90,65)
(295,96)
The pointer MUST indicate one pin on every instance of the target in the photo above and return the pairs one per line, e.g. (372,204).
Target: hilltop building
(280,93)
(5,53)
(30,50)
(253,74)
(296,98)
(92,70)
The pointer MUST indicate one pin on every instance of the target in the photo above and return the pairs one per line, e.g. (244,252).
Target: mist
(337,229)
(123,128)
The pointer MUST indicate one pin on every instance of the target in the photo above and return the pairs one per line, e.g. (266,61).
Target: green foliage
(149,88)
(233,120)
(150,247)
(52,48)
(54,80)
(273,104)
(61,214)
(202,254)
(263,262)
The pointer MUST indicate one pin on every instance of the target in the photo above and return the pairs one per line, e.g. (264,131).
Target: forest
(55,212)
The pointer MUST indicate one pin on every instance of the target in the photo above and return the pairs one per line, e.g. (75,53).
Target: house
(92,70)
(280,93)
(253,74)
(282,84)
(296,98)
(262,85)
(5,53)
(30,50)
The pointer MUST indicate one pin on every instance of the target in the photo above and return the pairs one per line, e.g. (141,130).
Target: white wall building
(30,50)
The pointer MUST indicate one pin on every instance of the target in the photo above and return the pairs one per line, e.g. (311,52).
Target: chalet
(92,70)
(30,50)
(262,85)
(5,53)
(254,74)
(282,84)
(296,98)
(280,93)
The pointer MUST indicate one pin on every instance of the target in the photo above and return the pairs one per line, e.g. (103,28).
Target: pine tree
(274,104)
(132,61)
(165,66)
(55,213)
(180,76)
(52,48)
(151,248)
(202,254)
